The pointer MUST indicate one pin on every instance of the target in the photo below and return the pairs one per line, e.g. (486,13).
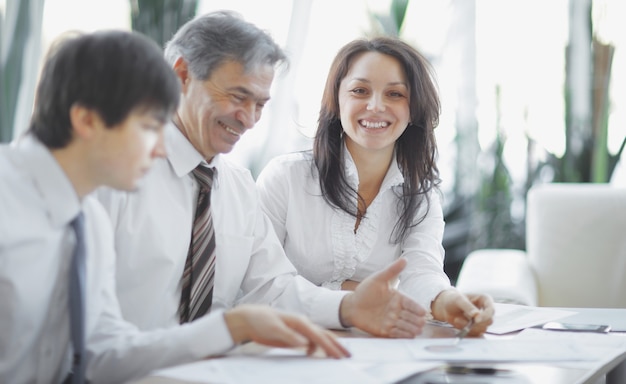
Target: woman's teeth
(374,124)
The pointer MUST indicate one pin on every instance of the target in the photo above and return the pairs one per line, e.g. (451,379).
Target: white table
(523,372)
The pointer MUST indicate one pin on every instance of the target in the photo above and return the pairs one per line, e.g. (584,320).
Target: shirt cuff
(209,335)
(325,309)
(429,294)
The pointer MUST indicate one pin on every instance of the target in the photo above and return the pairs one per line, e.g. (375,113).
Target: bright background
(519,47)
(502,70)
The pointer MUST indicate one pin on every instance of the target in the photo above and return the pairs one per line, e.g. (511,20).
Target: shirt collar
(181,154)
(392,178)
(57,192)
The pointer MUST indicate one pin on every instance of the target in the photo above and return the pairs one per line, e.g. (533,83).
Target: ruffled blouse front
(350,248)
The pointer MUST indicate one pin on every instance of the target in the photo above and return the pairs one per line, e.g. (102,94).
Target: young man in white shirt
(226,66)
(101,105)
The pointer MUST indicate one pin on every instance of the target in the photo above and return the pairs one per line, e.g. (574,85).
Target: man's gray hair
(209,40)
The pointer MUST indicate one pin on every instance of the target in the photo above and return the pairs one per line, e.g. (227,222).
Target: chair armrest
(504,274)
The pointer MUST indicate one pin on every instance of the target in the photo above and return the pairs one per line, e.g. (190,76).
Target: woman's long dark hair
(416,148)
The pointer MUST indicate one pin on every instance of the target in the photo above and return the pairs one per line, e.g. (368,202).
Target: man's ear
(85,121)
(182,71)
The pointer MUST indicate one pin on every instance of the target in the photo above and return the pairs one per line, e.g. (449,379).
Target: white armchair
(575,252)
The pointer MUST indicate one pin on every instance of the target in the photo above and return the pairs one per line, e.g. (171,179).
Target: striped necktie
(197,281)
(77,301)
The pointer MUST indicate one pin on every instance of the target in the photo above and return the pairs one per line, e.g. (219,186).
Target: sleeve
(270,278)
(424,278)
(279,283)
(117,350)
(273,187)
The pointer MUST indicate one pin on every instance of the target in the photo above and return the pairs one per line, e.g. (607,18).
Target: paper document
(468,350)
(607,346)
(511,317)
(274,370)
(588,338)
(393,372)
(376,360)
(279,365)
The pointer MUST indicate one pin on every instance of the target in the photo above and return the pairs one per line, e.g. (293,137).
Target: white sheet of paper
(278,365)
(503,350)
(610,340)
(468,350)
(378,349)
(396,365)
(289,370)
(269,369)
(609,345)
(511,317)
(376,361)
(393,372)
(204,371)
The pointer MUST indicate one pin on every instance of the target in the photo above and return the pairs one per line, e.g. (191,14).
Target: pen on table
(464,331)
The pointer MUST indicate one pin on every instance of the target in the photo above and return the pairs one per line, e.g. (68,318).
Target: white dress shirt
(153,230)
(321,243)
(37,204)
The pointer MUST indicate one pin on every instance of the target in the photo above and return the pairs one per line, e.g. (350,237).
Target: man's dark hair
(111,72)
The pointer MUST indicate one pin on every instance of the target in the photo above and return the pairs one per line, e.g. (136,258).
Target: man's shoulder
(21,205)
(228,170)
(294,159)
(15,182)
(291,166)
(7,169)
(10,159)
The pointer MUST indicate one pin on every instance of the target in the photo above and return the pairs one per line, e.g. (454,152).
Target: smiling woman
(374,105)
(367,194)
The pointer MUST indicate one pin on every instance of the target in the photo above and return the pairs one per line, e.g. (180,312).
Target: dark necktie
(77,301)
(197,281)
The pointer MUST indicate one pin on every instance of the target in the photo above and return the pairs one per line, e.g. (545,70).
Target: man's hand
(268,326)
(457,309)
(379,309)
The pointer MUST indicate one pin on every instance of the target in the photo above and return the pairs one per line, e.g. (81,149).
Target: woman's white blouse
(321,242)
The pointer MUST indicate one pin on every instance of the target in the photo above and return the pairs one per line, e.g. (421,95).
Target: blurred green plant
(160,19)
(390,23)
(587,158)
(14,31)
(492,224)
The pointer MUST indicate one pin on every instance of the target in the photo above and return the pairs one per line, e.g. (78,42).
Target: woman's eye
(358,91)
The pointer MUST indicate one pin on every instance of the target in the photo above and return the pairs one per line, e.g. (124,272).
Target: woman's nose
(376,104)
